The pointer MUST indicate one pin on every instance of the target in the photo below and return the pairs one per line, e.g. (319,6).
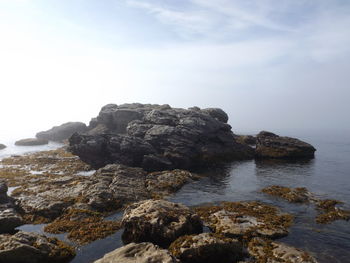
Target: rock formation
(270,145)
(158,221)
(27,247)
(62,132)
(138,253)
(158,137)
(31,142)
(2,146)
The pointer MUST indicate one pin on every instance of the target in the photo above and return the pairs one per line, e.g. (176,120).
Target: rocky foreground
(142,153)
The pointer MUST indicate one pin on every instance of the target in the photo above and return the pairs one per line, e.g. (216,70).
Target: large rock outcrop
(9,218)
(62,132)
(31,142)
(270,145)
(138,253)
(158,137)
(158,221)
(24,247)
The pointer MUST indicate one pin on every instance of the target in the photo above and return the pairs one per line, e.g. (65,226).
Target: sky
(271,65)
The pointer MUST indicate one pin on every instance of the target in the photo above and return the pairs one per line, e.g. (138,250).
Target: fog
(273,65)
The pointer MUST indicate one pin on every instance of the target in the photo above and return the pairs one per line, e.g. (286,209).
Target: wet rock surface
(27,247)
(62,132)
(270,145)
(2,146)
(245,219)
(158,221)
(158,137)
(206,247)
(246,139)
(9,217)
(138,253)
(264,250)
(294,195)
(31,142)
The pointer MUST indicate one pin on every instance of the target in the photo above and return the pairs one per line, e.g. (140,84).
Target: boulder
(138,253)
(31,142)
(206,247)
(27,247)
(246,139)
(9,218)
(264,250)
(62,132)
(245,219)
(2,146)
(158,221)
(158,137)
(270,145)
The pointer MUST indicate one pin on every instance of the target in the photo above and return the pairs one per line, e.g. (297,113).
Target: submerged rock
(270,145)
(206,247)
(329,211)
(268,251)
(2,146)
(245,219)
(27,247)
(158,221)
(9,217)
(62,132)
(294,195)
(158,137)
(31,142)
(138,253)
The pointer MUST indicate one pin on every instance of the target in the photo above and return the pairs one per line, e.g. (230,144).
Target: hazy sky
(271,64)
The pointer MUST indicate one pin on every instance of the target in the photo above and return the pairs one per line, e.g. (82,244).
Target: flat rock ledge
(158,221)
(62,132)
(31,142)
(245,220)
(158,137)
(270,145)
(268,251)
(138,253)
(25,247)
(206,247)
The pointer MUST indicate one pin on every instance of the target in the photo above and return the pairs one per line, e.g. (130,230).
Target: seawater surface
(328,175)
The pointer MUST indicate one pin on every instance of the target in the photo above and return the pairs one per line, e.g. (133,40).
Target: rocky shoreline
(142,154)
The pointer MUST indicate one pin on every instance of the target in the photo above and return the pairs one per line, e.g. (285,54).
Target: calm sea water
(328,175)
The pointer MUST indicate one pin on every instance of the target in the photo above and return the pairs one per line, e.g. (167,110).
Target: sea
(327,175)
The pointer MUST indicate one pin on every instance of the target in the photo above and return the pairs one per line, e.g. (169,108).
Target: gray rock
(31,142)
(157,137)
(206,247)
(62,132)
(274,252)
(158,221)
(2,146)
(138,253)
(27,247)
(270,145)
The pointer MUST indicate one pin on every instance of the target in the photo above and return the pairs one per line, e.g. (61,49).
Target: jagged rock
(27,247)
(245,219)
(158,137)
(31,142)
(268,251)
(62,132)
(9,218)
(270,145)
(138,253)
(2,146)
(206,247)
(158,221)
